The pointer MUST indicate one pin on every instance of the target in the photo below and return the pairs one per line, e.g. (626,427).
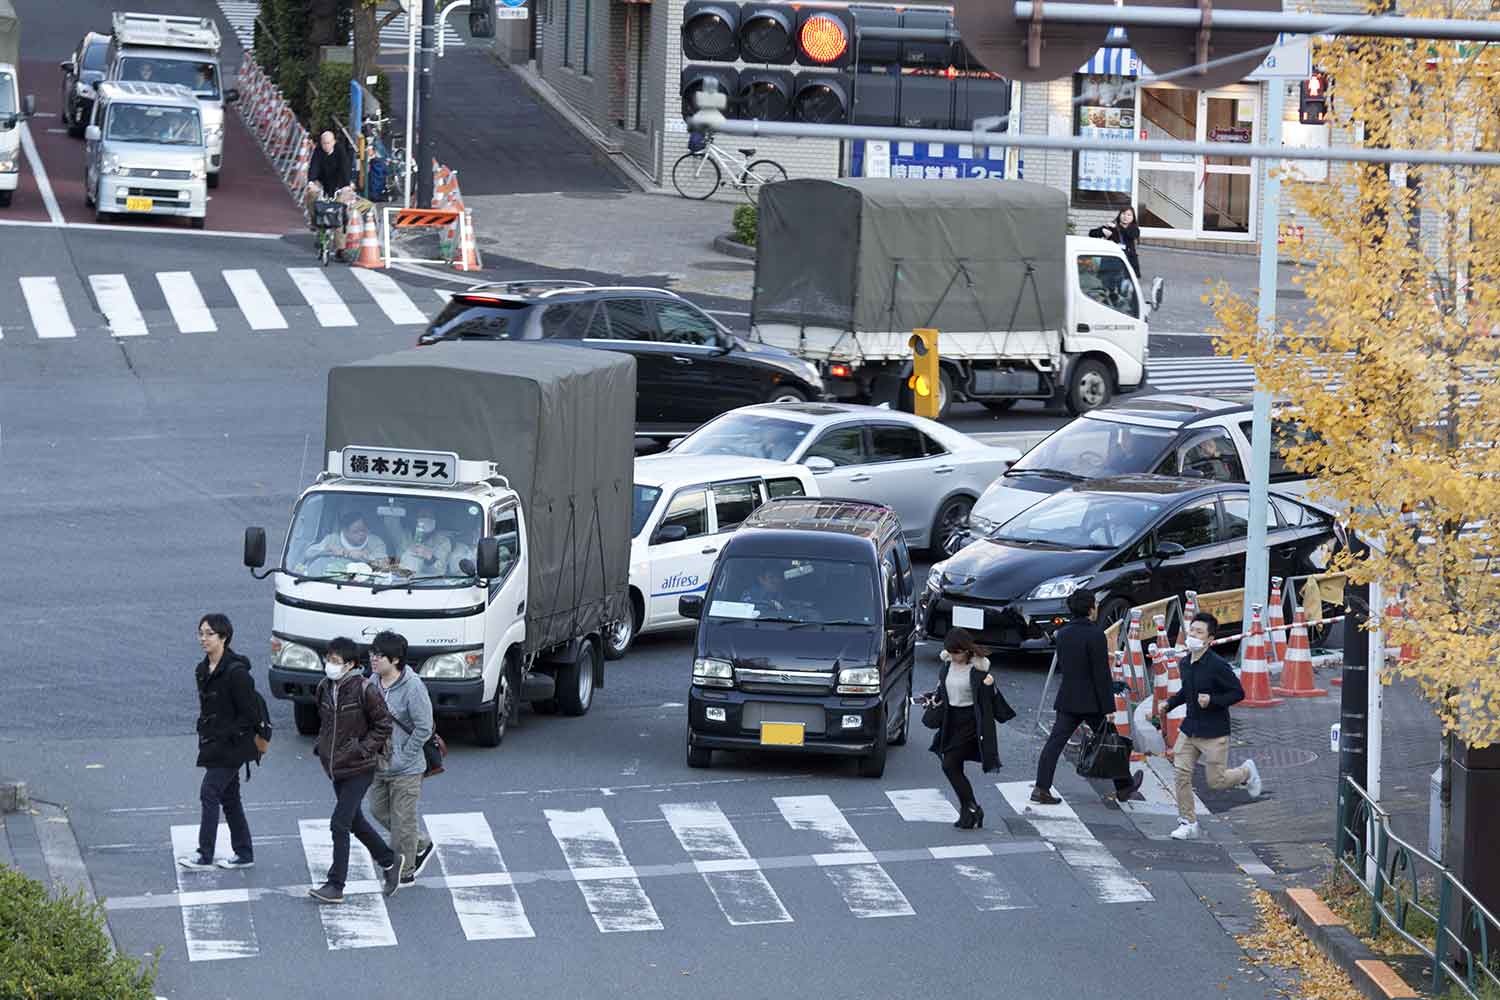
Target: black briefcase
(1106,755)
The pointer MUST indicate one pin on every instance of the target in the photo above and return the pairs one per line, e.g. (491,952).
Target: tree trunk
(366,39)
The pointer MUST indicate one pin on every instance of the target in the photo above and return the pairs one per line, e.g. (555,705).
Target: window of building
(567,33)
(642,37)
(1103,108)
(588,31)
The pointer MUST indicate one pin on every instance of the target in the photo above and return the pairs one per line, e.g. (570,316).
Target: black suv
(81,70)
(806,636)
(689,369)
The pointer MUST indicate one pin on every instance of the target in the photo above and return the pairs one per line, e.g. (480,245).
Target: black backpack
(262,729)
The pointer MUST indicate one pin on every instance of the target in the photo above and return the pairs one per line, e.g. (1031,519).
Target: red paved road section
(250,196)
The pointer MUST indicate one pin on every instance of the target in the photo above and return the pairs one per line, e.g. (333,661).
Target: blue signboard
(927,160)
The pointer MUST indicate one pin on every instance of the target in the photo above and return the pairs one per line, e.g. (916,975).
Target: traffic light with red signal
(1313,105)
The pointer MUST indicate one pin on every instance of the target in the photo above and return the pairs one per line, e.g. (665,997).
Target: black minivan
(806,635)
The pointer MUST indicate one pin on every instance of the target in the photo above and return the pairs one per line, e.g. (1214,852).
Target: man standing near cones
(1209,687)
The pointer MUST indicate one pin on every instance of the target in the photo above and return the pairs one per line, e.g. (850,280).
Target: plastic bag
(1148,738)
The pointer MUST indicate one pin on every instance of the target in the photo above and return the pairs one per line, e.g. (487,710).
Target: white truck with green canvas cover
(846,269)
(477,499)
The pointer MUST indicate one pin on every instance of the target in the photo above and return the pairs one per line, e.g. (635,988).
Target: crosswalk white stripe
(361,920)
(185,301)
(49,313)
(219,925)
(254,300)
(466,847)
(318,291)
(116,302)
(744,894)
(868,890)
(610,889)
(922,805)
(1106,878)
(985,888)
(389,296)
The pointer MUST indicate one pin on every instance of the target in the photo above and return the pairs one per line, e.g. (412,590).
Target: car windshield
(202,78)
(8,104)
(645,503)
(1081,521)
(784,589)
(380,540)
(752,435)
(93,55)
(1092,449)
(150,123)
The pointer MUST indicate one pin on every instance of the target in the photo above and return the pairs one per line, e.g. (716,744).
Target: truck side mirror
(28,106)
(899,616)
(1158,289)
(690,606)
(488,561)
(255,547)
(92,134)
(231,95)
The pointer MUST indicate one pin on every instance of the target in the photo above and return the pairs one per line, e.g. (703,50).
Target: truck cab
(14,110)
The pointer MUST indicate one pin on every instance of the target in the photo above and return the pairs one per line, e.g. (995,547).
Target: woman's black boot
(978,815)
(966,817)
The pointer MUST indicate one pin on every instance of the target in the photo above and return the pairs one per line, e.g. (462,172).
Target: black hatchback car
(689,369)
(806,636)
(81,70)
(1130,539)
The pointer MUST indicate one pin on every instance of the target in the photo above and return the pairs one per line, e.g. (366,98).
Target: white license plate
(967,617)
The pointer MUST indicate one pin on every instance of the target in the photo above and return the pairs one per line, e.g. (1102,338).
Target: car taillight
(839,371)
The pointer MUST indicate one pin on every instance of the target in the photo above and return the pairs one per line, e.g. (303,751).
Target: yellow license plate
(138,204)
(782,734)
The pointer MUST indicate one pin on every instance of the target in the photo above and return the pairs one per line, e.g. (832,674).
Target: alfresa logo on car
(680,583)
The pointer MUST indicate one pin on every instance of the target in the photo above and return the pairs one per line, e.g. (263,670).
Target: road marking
(389,296)
(142,230)
(744,894)
(985,889)
(118,305)
(218,923)
(724,312)
(186,302)
(38,171)
(466,849)
(49,313)
(1106,878)
(318,291)
(254,300)
(361,920)
(868,890)
(606,880)
(922,805)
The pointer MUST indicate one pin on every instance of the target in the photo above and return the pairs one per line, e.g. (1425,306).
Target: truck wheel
(621,636)
(1088,386)
(306,717)
(899,740)
(5,198)
(699,756)
(575,681)
(873,765)
(491,724)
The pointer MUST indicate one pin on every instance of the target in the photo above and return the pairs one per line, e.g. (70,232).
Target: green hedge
(745,223)
(330,105)
(56,948)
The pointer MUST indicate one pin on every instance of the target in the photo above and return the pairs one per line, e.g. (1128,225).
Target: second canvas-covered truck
(477,499)
(846,269)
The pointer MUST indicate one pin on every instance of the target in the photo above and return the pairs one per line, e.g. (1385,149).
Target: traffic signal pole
(425,146)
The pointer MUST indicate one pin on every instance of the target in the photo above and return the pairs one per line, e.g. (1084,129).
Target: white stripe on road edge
(866,887)
(118,305)
(49,313)
(318,291)
(218,923)
(466,847)
(1106,878)
(254,300)
(744,894)
(389,296)
(188,308)
(142,230)
(922,805)
(38,171)
(361,920)
(603,874)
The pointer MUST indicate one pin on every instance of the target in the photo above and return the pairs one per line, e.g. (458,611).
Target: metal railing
(1400,881)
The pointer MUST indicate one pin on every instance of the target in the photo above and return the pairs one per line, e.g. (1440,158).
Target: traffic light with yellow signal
(924,381)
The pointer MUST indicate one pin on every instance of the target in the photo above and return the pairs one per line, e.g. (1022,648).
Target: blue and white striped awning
(1113,61)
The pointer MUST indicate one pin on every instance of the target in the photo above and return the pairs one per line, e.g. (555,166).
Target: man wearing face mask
(1209,687)
(353,541)
(424,550)
(397,790)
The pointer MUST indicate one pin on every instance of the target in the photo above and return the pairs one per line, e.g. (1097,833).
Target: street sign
(1291,59)
(519,12)
(927,160)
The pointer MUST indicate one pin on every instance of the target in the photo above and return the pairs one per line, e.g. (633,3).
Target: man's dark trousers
(1062,731)
(221,788)
(349,817)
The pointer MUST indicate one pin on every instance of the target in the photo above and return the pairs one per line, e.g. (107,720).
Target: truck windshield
(795,590)
(645,503)
(751,435)
(380,540)
(1092,449)
(150,123)
(8,104)
(202,78)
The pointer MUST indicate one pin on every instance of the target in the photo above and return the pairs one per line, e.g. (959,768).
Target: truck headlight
(294,656)
(1057,588)
(199,172)
(111,165)
(453,666)
(711,672)
(859,680)
(213,134)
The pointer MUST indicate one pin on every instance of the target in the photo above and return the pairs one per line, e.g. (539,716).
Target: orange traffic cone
(1172,724)
(1135,673)
(1121,719)
(1297,671)
(1159,681)
(354,232)
(1189,608)
(1276,625)
(468,254)
(1255,677)
(369,249)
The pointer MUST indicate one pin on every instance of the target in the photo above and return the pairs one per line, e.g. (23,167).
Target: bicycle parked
(387,165)
(699,172)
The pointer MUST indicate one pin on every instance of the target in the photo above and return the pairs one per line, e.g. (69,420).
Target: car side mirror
(66,65)
(1168,550)
(28,106)
(255,547)
(899,616)
(669,533)
(92,134)
(818,463)
(1158,289)
(231,95)
(488,558)
(690,606)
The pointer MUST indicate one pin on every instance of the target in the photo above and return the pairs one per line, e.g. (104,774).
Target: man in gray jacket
(398,781)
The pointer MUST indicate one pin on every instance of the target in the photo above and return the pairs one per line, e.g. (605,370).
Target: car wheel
(5,198)
(786,394)
(575,681)
(872,765)
(950,524)
(306,717)
(619,638)
(1089,386)
(999,405)
(698,756)
(491,724)
(899,740)
(1113,610)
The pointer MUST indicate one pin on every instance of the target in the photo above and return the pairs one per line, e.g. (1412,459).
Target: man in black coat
(329,175)
(227,715)
(1086,695)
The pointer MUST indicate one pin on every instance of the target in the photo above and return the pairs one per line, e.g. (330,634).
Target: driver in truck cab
(353,541)
(424,549)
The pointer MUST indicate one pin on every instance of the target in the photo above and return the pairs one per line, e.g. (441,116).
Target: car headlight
(979,525)
(111,165)
(8,166)
(711,672)
(859,680)
(1062,586)
(453,666)
(213,133)
(294,656)
(935,577)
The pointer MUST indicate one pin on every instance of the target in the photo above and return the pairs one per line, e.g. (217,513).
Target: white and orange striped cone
(1255,678)
(354,232)
(1159,682)
(369,249)
(468,253)
(1394,650)
(1135,657)
(1117,665)
(1121,720)
(1171,726)
(1297,679)
(1276,628)
(1189,608)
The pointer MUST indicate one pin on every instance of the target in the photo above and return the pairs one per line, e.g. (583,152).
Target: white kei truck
(477,500)
(846,269)
(14,109)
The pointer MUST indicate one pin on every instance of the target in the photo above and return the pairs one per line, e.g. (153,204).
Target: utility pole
(425,146)
(1353,697)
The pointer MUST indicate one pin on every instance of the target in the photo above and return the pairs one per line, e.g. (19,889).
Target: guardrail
(1384,865)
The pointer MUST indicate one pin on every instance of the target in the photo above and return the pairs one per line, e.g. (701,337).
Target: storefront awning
(1113,61)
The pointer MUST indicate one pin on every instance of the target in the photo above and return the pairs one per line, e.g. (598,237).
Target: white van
(14,110)
(144,153)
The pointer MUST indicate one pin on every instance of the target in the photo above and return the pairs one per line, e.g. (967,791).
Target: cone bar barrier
(1159,693)
(1255,678)
(1276,627)
(1135,656)
(1172,724)
(1297,671)
(1121,721)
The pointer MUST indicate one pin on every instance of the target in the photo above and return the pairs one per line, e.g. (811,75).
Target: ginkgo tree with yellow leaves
(1395,371)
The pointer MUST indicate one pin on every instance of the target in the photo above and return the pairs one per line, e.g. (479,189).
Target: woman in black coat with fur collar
(972,706)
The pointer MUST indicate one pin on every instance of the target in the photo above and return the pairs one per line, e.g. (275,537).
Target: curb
(730,247)
(1326,929)
(13,797)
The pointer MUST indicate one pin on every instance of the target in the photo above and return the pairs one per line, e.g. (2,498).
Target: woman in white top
(972,706)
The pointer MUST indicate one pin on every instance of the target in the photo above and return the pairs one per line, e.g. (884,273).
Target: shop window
(1103,108)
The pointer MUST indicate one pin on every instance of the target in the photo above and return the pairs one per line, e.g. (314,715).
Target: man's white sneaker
(1185,831)
(195,863)
(1252,783)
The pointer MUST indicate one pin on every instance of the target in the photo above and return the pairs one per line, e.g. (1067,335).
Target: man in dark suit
(1085,696)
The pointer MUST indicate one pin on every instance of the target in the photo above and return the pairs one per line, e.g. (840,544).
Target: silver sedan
(927,473)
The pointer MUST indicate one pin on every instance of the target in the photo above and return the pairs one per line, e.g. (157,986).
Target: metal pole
(1353,700)
(1227,19)
(424,103)
(411,101)
(1374,704)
